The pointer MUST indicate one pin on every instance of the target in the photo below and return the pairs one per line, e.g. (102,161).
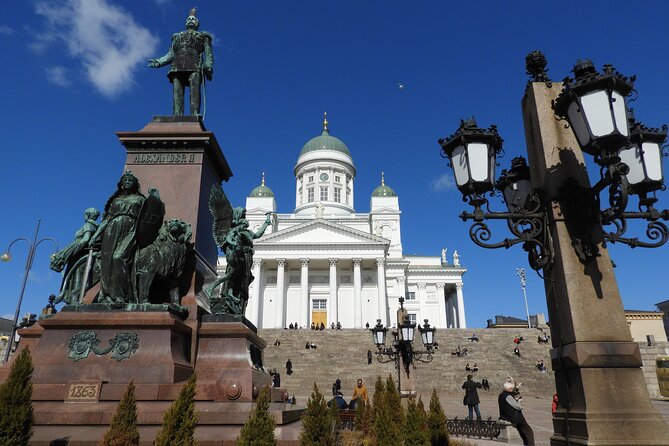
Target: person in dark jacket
(339,401)
(369,357)
(511,409)
(471,399)
(336,387)
(289,368)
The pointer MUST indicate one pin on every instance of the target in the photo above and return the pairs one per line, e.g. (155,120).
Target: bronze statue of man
(191,57)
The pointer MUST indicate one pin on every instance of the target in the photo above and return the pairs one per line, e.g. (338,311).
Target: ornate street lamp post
(402,352)
(560,220)
(6,257)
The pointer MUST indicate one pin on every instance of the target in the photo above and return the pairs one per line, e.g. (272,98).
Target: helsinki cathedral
(326,262)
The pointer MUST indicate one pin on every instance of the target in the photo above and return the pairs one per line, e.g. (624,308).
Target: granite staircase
(343,354)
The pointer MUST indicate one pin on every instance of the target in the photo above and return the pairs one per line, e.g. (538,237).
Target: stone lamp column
(600,385)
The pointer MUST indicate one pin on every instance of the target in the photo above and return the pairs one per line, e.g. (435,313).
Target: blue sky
(74,73)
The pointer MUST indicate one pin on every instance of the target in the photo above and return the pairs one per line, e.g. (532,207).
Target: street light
(523,282)
(630,160)
(6,257)
(402,350)
(559,220)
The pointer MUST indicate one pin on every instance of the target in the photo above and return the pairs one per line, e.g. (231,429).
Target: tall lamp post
(555,214)
(402,352)
(6,257)
(523,282)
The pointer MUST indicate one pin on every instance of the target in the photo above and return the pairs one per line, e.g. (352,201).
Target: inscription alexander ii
(164,158)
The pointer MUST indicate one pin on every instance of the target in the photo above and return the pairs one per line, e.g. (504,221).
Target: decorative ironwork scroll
(471,428)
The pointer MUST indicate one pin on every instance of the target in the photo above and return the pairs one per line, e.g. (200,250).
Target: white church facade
(325,262)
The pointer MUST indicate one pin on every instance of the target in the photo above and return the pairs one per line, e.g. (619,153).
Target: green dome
(325,142)
(262,190)
(383,190)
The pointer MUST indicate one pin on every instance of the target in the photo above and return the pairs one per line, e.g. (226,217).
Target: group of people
(292,326)
(335,327)
(473,338)
(540,365)
(542,338)
(320,326)
(460,352)
(509,401)
(310,345)
(359,395)
(473,369)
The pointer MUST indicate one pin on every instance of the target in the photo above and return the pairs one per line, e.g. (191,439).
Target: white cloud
(6,30)
(58,75)
(444,182)
(103,37)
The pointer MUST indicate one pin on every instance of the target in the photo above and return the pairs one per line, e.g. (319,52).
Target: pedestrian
(369,357)
(367,326)
(276,379)
(289,367)
(485,384)
(554,405)
(516,351)
(475,368)
(471,399)
(511,410)
(359,393)
(336,387)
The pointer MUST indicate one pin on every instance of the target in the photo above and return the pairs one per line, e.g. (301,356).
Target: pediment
(320,232)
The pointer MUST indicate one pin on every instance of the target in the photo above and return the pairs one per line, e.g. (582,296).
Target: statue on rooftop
(233,236)
(191,58)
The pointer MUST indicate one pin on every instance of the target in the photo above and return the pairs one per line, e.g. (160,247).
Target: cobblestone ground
(537,412)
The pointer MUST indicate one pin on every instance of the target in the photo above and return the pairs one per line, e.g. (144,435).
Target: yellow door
(319,312)
(319,316)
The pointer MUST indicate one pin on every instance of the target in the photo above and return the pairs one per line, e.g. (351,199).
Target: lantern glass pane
(619,112)
(423,336)
(652,157)
(597,111)
(430,337)
(478,161)
(632,157)
(459,162)
(578,124)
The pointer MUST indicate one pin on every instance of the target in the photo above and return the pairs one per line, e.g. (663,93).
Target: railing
(473,428)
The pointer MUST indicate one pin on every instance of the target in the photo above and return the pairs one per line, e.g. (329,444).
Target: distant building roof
(6,326)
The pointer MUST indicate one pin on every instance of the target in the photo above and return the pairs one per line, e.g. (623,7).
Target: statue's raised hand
(153,63)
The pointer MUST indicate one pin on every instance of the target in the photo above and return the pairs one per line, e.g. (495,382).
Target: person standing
(511,410)
(471,399)
(359,393)
(289,368)
(369,357)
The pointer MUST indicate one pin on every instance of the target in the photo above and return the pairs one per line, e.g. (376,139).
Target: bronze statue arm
(261,230)
(98,233)
(208,63)
(162,61)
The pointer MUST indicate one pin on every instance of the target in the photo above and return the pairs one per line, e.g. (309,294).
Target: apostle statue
(191,58)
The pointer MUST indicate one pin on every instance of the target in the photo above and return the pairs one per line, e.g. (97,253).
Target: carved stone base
(229,359)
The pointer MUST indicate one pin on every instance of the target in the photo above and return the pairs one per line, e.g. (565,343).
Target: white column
(450,309)
(441,299)
(401,286)
(462,323)
(333,304)
(255,296)
(381,286)
(422,298)
(304,299)
(279,321)
(357,294)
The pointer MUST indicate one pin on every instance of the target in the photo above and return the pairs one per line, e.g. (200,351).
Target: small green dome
(383,190)
(262,190)
(325,142)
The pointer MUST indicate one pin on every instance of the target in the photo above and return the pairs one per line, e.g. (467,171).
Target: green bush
(180,419)
(16,410)
(436,421)
(123,429)
(259,428)
(415,427)
(318,424)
